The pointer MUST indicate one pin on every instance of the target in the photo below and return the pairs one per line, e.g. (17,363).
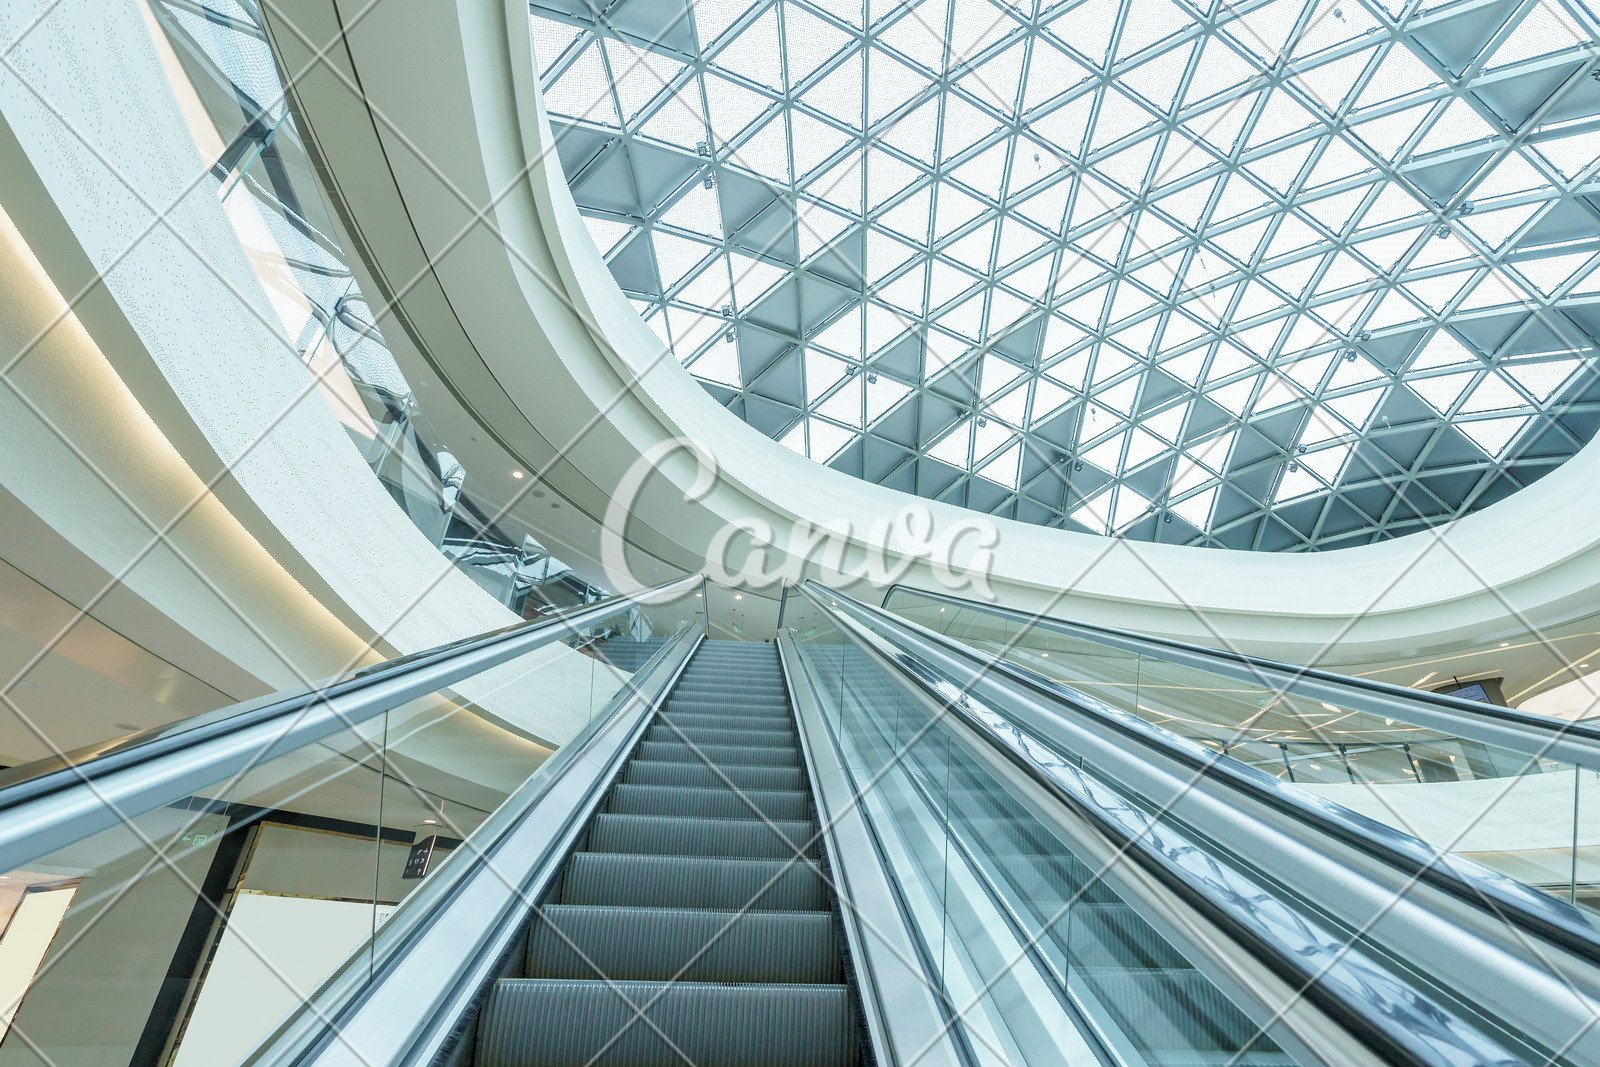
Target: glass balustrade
(1529,816)
(220,65)
(1035,949)
(191,930)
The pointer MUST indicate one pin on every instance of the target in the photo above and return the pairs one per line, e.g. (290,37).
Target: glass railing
(1503,788)
(218,61)
(1042,960)
(1069,863)
(213,898)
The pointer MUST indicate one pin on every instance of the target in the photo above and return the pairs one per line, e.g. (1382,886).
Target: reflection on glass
(200,925)
(217,59)
(1029,941)
(1502,808)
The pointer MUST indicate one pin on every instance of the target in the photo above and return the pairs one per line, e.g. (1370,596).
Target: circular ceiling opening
(1287,275)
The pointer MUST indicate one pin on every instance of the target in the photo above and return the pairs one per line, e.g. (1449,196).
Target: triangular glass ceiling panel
(999,212)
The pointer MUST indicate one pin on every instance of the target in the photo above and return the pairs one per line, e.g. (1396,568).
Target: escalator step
(691,882)
(642,944)
(682,696)
(1171,1011)
(653,772)
(692,719)
(742,712)
(1113,936)
(711,735)
(539,1023)
(725,735)
(747,755)
(657,835)
(709,803)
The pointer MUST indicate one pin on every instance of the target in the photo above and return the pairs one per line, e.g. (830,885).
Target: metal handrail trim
(408,999)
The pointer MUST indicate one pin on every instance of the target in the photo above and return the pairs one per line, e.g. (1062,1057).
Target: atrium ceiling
(1276,275)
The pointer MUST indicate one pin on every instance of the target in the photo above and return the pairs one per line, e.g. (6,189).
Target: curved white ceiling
(1279,274)
(430,131)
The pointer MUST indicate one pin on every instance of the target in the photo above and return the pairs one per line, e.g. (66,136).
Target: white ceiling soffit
(1277,275)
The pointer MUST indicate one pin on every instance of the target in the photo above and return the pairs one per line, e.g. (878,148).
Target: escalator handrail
(52,802)
(1560,923)
(476,900)
(1468,881)
(1492,724)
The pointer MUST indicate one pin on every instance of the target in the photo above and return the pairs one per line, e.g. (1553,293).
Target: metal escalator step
(764,723)
(756,668)
(730,710)
(760,677)
(655,772)
(715,884)
(541,1023)
(1171,1011)
(738,649)
(729,699)
(670,732)
(733,675)
(1113,936)
(736,677)
(659,835)
(747,755)
(642,944)
(708,803)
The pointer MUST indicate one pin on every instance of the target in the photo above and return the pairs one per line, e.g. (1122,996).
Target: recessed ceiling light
(699,594)
(738,596)
(430,822)
(516,474)
(1505,644)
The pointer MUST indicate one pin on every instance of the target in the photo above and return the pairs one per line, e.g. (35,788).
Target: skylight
(1298,274)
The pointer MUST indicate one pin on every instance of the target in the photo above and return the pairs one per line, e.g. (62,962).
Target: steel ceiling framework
(1279,274)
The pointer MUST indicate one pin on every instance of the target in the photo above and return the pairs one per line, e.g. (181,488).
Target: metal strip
(901,1008)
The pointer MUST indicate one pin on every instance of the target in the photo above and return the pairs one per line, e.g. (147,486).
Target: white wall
(1522,826)
(275,951)
(285,556)
(305,903)
(33,920)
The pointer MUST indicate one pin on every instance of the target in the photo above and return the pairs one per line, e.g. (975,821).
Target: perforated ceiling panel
(1276,275)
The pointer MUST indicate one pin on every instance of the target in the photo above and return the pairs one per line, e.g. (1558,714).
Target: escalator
(869,842)
(694,922)
(1169,1012)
